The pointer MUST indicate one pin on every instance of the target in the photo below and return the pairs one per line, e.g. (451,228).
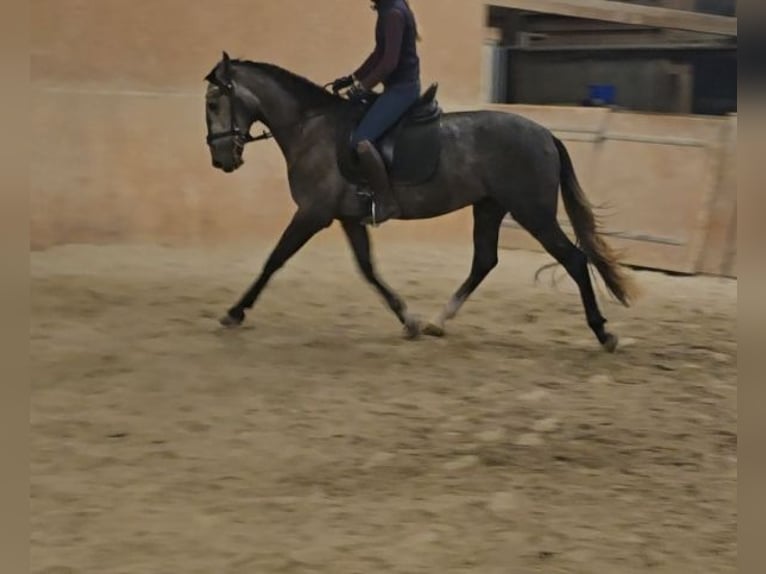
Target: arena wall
(118,130)
(119,126)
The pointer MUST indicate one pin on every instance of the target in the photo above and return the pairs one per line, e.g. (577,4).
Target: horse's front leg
(359,239)
(303,227)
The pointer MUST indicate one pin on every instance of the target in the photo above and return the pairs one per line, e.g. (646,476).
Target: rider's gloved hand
(358,94)
(341,83)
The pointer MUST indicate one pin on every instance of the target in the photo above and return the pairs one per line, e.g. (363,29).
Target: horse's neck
(269,93)
(280,111)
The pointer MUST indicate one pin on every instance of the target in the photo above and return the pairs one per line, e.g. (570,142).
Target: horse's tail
(586,230)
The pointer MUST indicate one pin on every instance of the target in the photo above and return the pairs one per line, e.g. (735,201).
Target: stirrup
(364,193)
(374,211)
(372,219)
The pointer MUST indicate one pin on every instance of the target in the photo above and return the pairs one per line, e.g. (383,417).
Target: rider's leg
(384,113)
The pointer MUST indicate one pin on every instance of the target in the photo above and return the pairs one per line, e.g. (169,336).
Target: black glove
(357,94)
(342,83)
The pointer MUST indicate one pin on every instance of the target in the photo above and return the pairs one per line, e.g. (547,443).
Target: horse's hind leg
(487,217)
(555,242)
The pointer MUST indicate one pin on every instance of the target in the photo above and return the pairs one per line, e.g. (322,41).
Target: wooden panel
(629,14)
(718,255)
(657,173)
(654,178)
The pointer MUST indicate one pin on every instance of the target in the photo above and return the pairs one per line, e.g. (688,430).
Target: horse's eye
(212,106)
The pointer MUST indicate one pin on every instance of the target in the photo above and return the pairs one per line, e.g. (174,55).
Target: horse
(498,163)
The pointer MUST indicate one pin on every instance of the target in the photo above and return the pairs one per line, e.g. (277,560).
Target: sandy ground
(316,439)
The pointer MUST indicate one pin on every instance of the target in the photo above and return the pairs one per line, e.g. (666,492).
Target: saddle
(411,149)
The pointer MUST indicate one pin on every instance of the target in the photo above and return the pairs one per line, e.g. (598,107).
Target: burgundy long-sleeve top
(395,56)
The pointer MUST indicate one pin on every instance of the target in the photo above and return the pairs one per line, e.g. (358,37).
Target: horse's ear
(226,64)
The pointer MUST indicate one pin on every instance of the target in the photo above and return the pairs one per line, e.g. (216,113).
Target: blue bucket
(602,94)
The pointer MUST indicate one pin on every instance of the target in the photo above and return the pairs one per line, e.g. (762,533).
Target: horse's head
(230,110)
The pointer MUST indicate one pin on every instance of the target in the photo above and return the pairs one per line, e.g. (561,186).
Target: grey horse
(499,163)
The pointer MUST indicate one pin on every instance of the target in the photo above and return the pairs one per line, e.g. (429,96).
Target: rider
(395,64)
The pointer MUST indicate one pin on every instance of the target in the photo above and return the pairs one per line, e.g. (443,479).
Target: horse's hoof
(230,322)
(610,343)
(412,329)
(433,330)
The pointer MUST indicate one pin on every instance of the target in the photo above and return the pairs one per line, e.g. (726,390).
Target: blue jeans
(385,112)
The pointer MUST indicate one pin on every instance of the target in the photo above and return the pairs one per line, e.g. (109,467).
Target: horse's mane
(307,92)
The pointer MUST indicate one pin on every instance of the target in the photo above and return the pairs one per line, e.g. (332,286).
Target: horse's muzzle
(228,167)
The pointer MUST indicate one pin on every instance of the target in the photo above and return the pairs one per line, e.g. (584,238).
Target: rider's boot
(384,205)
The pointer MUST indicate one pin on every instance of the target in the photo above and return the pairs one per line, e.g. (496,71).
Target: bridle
(242,138)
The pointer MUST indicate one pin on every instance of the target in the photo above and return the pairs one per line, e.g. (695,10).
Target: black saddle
(411,149)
